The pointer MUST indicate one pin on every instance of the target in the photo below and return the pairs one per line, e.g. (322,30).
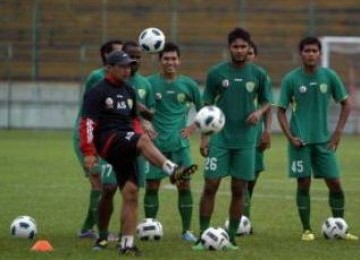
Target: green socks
(185,206)
(337,202)
(92,215)
(247,204)
(233,226)
(303,205)
(151,203)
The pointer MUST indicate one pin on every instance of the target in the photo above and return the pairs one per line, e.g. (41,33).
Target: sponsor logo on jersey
(238,80)
(170,92)
(130,103)
(313,83)
(250,86)
(323,88)
(158,96)
(141,93)
(302,89)
(180,97)
(225,83)
(109,103)
(121,105)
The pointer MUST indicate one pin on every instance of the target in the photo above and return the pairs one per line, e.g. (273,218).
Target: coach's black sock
(337,202)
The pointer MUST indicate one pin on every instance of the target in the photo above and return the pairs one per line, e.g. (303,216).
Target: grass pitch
(40,177)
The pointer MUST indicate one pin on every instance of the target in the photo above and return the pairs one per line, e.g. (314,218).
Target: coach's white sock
(169,167)
(127,241)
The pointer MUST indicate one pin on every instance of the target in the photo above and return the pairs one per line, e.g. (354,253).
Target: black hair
(237,33)
(169,47)
(129,44)
(254,47)
(307,41)
(107,47)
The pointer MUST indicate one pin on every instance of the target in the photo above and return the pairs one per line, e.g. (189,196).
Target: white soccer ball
(210,120)
(244,227)
(334,228)
(152,40)
(24,227)
(149,229)
(215,238)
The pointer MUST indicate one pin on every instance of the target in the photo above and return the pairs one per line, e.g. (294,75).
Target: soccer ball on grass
(334,228)
(149,229)
(152,40)
(23,227)
(210,120)
(215,239)
(244,227)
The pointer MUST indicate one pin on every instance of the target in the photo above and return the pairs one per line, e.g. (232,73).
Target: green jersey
(94,77)
(309,96)
(236,91)
(144,92)
(173,99)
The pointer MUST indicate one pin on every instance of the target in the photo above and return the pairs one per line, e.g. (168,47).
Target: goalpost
(343,55)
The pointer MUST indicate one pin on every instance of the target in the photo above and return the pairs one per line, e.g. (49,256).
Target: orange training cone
(42,246)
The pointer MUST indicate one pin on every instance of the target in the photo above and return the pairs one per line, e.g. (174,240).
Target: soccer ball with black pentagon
(149,229)
(23,227)
(215,239)
(334,228)
(152,40)
(210,120)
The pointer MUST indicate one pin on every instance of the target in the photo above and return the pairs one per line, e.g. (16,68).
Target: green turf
(40,177)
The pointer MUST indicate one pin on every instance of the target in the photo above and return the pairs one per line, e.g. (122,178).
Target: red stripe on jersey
(86,136)
(137,126)
(106,147)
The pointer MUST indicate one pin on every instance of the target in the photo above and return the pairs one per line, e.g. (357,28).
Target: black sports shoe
(100,244)
(131,251)
(181,173)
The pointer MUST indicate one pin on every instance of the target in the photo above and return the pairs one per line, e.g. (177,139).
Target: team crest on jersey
(180,97)
(130,103)
(158,96)
(250,86)
(225,83)
(323,88)
(141,93)
(109,103)
(302,89)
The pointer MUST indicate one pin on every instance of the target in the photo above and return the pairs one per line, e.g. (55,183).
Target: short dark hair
(254,47)
(307,41)
(237,33)
(129,44)
(107,47)
(169,47)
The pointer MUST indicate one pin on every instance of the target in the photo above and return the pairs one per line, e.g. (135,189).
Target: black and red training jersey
(109,107)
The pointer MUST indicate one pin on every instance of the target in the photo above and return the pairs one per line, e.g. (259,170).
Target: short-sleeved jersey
(144,92)
(94,77)
(172,103)
(111,107)
(309,96)
(235,91)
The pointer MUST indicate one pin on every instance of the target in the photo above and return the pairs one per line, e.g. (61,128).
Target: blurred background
(48,47)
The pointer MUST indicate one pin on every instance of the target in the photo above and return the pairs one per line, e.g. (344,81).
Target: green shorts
(180,157)
(316,158)
(103,167)
(259,160)
(238,163)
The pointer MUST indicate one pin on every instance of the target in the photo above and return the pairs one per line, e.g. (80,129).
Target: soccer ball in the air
(210,120)
(334,228)
(244,227)
(215,239)
(152,40)
(23,227)
(149,229)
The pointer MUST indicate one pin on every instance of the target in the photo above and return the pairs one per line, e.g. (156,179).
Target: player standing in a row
(174,94)
(233,86)
(110,127)
(308,90)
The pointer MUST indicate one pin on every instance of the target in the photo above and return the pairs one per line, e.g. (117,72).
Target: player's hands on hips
(334,140)
(254,117)
(188,131)
(265,141)
(90,162)
(204,145)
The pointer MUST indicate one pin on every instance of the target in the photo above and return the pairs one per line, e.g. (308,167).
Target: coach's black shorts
(122,155)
